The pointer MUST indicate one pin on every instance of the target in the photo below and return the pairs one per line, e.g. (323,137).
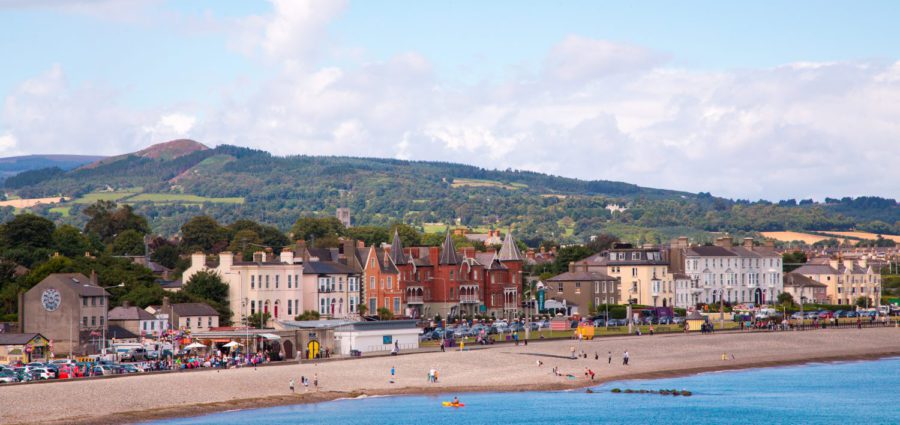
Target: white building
(737,274)
(368,337)
(268,284)
(332,289)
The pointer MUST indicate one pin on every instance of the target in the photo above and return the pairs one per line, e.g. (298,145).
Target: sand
(498,368)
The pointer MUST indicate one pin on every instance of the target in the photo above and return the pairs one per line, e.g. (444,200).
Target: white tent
(194,346)
(233,344)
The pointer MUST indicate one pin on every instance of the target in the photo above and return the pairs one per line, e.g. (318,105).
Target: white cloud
(597,110)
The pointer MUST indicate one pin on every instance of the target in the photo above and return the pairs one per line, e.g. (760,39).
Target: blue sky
(652,87)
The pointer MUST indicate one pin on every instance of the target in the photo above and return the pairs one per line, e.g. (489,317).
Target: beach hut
(694,321)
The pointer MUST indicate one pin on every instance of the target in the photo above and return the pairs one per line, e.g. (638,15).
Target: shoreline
(141,416)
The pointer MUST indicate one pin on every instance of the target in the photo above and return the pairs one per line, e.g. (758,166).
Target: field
(28,203)
(162,198)
(862,235)
(93,197)
(487,183)
(794,236)
(64,211)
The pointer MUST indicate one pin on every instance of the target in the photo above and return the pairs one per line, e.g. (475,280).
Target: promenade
(498,368)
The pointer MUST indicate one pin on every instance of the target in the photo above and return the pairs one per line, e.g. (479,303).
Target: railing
(468,299)
(414,300)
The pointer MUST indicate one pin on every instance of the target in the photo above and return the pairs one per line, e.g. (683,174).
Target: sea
(853,392)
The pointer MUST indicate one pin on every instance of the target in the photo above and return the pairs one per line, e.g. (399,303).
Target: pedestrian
(596,356)
(291,385)
(305,381)
(572,352)
(392,374)
(316,381)
(625,358)
(610,358)
(591,372)
(442,345)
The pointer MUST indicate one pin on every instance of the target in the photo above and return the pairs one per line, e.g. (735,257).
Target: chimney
(165,304)
(126,304)
(360,244)
(198,260)
(769,243)
(748,243)
(848,264)
(226,260)
(259,257)
(864,262)
(350,253)
(434,254)
(287,255)
(93,277)
(530,253)
(683,242)
(724,242)
(571,266)
(468,252)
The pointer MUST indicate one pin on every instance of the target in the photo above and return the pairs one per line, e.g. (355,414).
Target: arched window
(277,302)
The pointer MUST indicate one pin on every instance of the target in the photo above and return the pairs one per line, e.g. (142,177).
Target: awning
(270,336)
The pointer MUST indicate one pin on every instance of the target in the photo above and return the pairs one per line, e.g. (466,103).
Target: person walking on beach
(610,358)
(316,381)
(291,385)
(625,358)
(392,374)
(572,351)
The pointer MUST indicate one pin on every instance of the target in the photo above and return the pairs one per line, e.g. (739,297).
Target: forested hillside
(230,183)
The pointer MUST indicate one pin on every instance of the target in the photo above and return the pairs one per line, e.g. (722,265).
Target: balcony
(415,300)
(469,299)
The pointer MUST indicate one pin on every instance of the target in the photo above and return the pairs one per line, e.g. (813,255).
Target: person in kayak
(455,400)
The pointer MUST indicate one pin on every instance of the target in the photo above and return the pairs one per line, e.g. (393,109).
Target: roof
(386,265)
(314,324)
(815,269)
(114,331)
(580,276)
(194,309)
(378,325)
(397,250)
(80,283)
(327,267)
(18,339)
(509,251)
(171,284)
(448,251)
(709,251)
(129,313)
(797,280)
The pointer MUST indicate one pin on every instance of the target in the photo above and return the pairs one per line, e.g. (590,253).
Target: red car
(826,315)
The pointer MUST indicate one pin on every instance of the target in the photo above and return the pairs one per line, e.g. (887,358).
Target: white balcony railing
(468,299)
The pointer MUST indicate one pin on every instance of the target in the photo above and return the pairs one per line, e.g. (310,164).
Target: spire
(448,251)
(397,250)
(509,251)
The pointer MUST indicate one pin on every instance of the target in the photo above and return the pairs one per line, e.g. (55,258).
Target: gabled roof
(815,269)
(509,251)
(385,265)
(80,283)
(17,339)
(448,252)
(796,280)
(129,313)
(194,309)
(115,331)
(397,250)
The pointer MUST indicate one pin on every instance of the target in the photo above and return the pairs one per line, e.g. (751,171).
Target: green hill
(185,179)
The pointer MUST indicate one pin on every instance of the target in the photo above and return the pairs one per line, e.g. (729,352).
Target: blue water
(864,392)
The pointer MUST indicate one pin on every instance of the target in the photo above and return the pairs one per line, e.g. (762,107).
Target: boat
(452,404)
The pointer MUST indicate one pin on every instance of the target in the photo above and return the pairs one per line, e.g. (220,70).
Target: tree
(266,235)
(258,320)
(362,309)
(107,221)
(308,228)
(308,315)
(69,241)
(785,298)
(129,242)
(202,233)
(864,302)
(371,235)
(409,236)
(245,243)
(207,285)
(166,255)
(792,260)
(602,242)
(385,314)
(27,231)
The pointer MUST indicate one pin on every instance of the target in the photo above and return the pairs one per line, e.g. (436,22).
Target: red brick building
(444,281)
(382,283)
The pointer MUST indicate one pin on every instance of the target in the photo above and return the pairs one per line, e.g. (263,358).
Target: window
(340,283)
(396,305)
(635,255)
(372,282)
(276,281)
(84,321)
(559,287)
(322,305)
(352,304)
(387,302)
(101,300)
(93,301)
(373,263)
(451,274)
(372,305)
(93,320)
(253,307)
(267,281)
(188,322)
(290,308)
(101,320)
(390,284)
(289,281)
(252,281)
(84,303)
(634,271)
(209,322)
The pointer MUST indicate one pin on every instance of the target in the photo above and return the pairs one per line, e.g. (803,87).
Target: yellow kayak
(452,404)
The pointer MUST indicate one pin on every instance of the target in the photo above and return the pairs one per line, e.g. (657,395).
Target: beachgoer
(316,381)
(592,374)
(392,374)
(625,358)
(610,358)
(456,400)
(291,384)
(596,356)
(442,345)
(572,351)
(435,376)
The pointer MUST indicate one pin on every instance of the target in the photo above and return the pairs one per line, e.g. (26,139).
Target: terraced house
(643,273)
(845,280)
(735,274)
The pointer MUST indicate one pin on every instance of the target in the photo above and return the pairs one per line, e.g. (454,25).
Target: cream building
(735,274)
(332,289)
(268,284)
(643,273)
(845,280)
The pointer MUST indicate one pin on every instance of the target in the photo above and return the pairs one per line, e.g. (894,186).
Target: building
(582,291)
(332,289)
(383,288)
(845,280)
(367,337)
(491,238)
(69,309)
(194,317)
(25,348)
(343,214)
(643,273)
(805,290)
(446,282)
(136,320)
(268,284)
(735,274)
(684,287)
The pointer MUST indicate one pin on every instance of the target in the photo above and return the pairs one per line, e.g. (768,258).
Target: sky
(751,100)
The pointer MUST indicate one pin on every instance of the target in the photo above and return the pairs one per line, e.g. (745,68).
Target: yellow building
(643,273)
(846,280)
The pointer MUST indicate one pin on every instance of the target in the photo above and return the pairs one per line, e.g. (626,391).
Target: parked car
(599,322)
(852,314)
(677,320)
(826,314)
(134,355)
(129,368)
(41,373)
(7,376)
(103,370)
(23,375)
